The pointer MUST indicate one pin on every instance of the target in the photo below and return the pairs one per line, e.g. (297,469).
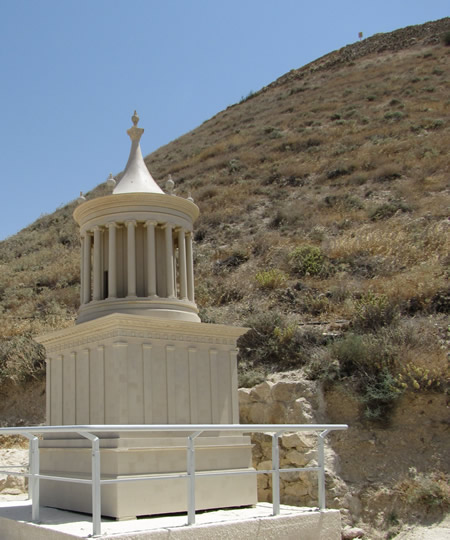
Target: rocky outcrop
(17,459)
(22,404)
(363,464)
(299,402)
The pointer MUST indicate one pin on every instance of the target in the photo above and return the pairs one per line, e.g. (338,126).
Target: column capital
(150,223)
(111,225)
(129,222)
(167,225)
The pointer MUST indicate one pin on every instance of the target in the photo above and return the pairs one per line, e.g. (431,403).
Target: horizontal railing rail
(191,431)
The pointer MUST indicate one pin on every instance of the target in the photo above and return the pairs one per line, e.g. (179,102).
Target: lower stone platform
(238,524)
(125,456)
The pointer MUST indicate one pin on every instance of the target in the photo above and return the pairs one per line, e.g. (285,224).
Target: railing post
(30,467)
(275,475)
(96,486)
(34,479)
(191,476)
(33,472)
(321,464)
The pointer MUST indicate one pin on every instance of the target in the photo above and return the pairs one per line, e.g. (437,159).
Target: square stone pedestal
(125,456)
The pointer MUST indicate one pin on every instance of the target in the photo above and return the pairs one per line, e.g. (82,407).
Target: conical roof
(136,178)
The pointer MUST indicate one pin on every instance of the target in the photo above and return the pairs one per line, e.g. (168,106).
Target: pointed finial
(169,185)
(134,132)
(81,198)
(111,181)
(189,197)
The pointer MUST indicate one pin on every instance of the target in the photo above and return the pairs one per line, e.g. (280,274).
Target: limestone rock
(295,440)
(285,391)
(298,459)
(244,396)
(276,413)
(262,391)
(352,532)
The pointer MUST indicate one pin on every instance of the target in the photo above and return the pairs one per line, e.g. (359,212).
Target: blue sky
(73,71)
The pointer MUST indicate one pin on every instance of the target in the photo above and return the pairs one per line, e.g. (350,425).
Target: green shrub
(387,210)
(379,395)
(275,341)
(247,378)
(430,490)
(395,116)
(307,261)
(374,311)
(370,362)
(271,279)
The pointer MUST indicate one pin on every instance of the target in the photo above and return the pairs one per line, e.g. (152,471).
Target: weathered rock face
(363,463)
(284,403)
(22,405)
(10,484)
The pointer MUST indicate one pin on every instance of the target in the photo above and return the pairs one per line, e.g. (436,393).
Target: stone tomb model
(140,355)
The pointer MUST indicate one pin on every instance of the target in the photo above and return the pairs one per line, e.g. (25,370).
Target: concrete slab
(294,523)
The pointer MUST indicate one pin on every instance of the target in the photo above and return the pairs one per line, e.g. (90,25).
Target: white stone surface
(140,355)
(234,524)
(129,457)
(132,369)
(136,177)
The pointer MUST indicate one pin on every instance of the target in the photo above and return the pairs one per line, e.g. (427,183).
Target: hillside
(324,226)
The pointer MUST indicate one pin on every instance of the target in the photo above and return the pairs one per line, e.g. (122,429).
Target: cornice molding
(121,202)
(137,326)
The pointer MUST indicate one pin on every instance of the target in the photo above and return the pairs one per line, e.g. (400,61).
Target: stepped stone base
(145,457)
(256,522)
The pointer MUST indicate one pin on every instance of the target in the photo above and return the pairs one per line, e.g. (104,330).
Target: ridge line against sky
(73,71)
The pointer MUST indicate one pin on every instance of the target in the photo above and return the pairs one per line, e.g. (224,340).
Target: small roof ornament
(81,198)
(111,181)
(170,184)
(136,177)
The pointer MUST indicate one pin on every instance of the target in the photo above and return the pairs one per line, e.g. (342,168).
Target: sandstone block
(296,458)
(262,391)
(285,391)
(296,489)
(295,440)
(276,413)
(263,482)
(244,395)
(351,533)
(257,413)
(264,465)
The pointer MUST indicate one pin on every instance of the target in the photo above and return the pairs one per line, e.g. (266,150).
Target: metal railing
(91,432)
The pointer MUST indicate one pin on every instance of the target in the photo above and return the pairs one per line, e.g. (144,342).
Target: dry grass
(349,158)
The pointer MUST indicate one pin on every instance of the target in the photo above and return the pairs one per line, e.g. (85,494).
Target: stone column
(169,260)
(190,267)
(151,258)
(86,284)
(131,237)
(182,263)
(81,270)
(112,261)
(97,264)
